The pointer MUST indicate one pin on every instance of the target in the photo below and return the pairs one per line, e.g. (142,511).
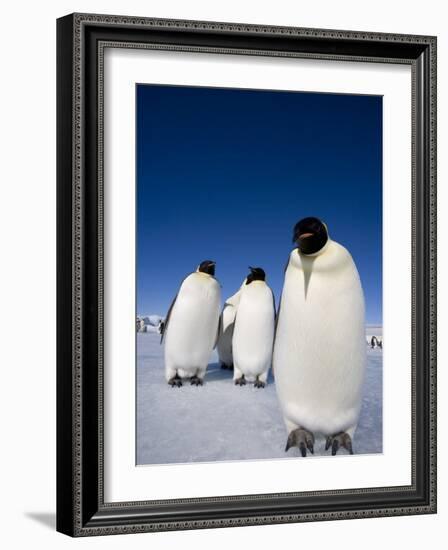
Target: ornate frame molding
(82,511)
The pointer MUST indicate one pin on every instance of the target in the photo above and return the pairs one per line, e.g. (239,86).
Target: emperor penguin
(253,335)
(319,352)
(226,326)
(191,326)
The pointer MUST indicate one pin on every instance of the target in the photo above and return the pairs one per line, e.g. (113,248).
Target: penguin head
(256,274)
(310,235)
(207,266)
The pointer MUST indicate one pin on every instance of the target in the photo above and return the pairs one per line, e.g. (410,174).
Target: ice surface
(151,328)
(220,421)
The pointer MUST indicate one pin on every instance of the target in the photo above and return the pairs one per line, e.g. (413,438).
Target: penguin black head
(207,266)
(256,274)
(310,235)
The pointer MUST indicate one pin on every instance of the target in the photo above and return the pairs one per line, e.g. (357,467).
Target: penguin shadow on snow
(215,373)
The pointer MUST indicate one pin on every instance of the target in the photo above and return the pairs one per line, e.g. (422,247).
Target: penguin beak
(301,238)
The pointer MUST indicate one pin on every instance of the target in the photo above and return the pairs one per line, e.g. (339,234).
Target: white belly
(319,353)
(254,331)
(193,325)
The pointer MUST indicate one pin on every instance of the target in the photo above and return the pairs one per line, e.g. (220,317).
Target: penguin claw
(175,382)
(349,447)
(334,447)
(240,381)
(310,446)
(196,381)
(341,439)
(301,438)
(259,384)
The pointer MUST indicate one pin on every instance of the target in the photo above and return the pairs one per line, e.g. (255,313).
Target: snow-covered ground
(221,421)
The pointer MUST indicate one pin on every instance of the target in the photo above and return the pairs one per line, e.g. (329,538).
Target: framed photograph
(246,274)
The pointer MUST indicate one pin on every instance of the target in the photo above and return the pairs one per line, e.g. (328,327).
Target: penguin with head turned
(319,352)
(226,327)
(191,326)
(253,334)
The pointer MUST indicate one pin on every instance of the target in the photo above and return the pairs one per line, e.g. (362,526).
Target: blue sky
(224,174)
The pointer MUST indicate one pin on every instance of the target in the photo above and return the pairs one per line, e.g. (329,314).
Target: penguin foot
(337,441)
(175,381)
(259,384)
(226,367)
(301,438)
(196,381)
(240,381)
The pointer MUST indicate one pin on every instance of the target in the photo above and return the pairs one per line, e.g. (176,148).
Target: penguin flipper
(218,332)
(164,325)
(277,315)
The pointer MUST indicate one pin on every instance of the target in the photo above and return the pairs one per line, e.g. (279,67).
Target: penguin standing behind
(226,326)
(253,334)
(191,326)
(319,353)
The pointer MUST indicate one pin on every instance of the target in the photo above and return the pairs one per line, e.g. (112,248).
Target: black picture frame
(81,510)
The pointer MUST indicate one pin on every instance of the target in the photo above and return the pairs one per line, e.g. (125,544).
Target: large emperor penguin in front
(191,326)
(320,352)
(253,335)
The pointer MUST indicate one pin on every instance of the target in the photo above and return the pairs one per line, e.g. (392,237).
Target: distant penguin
(226,327)
(253,334)
(191,326)
(319,352)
